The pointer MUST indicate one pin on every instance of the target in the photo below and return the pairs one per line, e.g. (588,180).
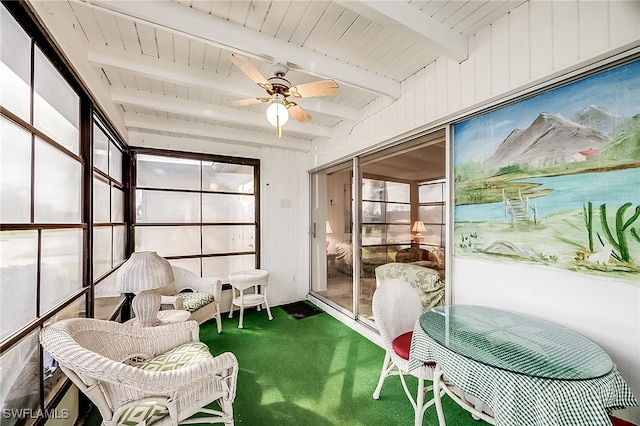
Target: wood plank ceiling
(165,65)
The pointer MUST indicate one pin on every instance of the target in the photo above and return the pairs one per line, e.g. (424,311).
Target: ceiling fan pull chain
(278,128)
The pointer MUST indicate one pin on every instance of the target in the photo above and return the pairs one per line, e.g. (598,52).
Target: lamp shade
(418,226)
(277,113)
(328,229)
(144,270)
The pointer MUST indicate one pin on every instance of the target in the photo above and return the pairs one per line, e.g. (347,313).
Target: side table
(243,280)
(168,316)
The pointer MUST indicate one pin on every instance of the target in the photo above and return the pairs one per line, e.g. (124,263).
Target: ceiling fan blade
(251,71)
(250,101)
(299,114)
(317,88)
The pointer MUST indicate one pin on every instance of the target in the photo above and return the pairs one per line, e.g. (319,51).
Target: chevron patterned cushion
(145,413)
(178,357)
(194,301)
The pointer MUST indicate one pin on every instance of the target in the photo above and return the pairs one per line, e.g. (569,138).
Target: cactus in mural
(620,244)
(588,221)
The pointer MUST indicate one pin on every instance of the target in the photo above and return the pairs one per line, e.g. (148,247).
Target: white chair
(140,375)
(396,308)
(243,280)
(189,291)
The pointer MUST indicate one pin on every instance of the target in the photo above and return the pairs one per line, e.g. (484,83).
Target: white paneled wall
(539,43)
(284,195)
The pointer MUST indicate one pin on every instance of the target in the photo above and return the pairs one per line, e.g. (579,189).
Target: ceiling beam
(174,105)
(407,19)
(241,137)
(154,68)
(236,38)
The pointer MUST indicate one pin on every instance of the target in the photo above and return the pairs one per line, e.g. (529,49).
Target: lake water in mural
(568,192)
(555,179)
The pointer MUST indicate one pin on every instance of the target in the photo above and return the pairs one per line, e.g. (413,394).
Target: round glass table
(516,342)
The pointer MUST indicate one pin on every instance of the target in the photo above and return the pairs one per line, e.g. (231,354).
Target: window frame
(133,188)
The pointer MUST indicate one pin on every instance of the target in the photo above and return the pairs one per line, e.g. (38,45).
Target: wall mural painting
(555,179)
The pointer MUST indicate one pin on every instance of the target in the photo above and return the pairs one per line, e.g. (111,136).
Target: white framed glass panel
(398,213)
(228,238)
(117,205)
(58,186)
(15,66)
(168,240)
(226,177)
(100,149)
(15,173)
(56,107)
(20,387)
(192,265)
(168,173)
(432,235)
(224,208)
(102,250)
(167,207)
(431,193)
(373,234)
(373,212)
(221,266)
(115,162)
(61,266)
(107,298)
(119,244)
(398,234)
(101,200)
(431,214)
(372,189)
(18,280)
(398,192)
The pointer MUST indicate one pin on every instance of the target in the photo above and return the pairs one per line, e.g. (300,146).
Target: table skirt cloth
(518,399)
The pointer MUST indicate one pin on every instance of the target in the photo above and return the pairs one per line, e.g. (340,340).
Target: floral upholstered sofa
(426,281)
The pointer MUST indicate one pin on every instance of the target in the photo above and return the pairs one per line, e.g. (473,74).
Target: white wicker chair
(396,308)
(186,283)
(100,358)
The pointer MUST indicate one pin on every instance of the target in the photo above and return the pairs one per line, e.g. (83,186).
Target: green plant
(620,244)
(588,221)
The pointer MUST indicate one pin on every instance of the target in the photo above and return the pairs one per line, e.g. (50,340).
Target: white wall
(539,43)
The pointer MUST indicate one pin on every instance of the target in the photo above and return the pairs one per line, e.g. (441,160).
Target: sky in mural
(616,91)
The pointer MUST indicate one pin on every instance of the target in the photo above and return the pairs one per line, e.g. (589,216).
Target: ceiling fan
(279,89)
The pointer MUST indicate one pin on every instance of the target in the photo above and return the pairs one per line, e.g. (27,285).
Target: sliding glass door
(332,235)
(396,205)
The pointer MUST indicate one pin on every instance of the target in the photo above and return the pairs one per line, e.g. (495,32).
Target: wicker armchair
(200,296)
(123,371)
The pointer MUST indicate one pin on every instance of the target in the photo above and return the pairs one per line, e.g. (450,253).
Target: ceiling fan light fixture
(277,114)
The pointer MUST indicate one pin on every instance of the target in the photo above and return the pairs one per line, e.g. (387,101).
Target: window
(431,196)
(386,212)
(43,231)
(109,231)
(200,212)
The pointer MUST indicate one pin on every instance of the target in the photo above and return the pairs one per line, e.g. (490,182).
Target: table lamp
(418,227)
(328,231)
(142,274)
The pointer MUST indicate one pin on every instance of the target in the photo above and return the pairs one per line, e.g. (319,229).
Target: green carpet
(312,372)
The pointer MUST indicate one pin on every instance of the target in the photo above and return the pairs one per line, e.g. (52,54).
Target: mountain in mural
(606,122)
(550,139)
